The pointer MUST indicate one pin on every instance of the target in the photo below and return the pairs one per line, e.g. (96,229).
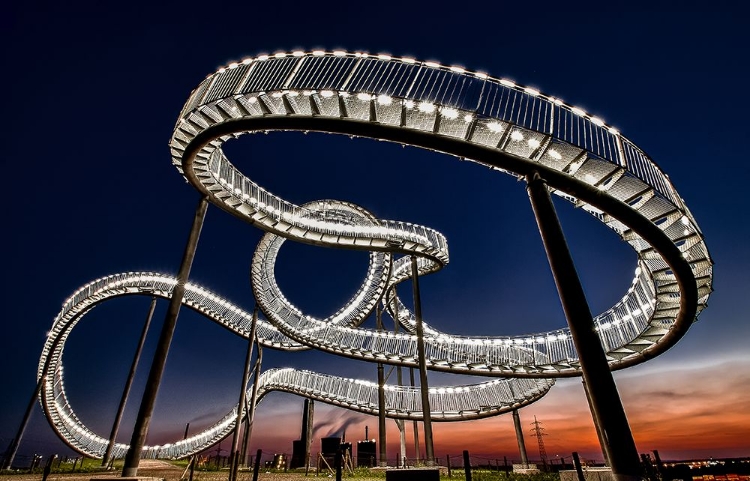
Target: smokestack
(305,415)
(367,435)
(343,437)
(307,426)
(301,448)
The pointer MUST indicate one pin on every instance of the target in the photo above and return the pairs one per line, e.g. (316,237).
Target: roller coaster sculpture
(469,115)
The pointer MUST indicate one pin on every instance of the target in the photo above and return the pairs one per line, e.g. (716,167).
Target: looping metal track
(447,403)
(470,115)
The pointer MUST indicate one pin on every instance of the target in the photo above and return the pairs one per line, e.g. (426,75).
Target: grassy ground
(174,472)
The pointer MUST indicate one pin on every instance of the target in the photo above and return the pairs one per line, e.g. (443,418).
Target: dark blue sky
(92,92)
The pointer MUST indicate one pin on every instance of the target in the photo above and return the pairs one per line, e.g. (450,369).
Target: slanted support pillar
(235,452)
(140,430)
(597,424)
(16,442)
(128,385)
(519,438)
(606,405)
(254,399)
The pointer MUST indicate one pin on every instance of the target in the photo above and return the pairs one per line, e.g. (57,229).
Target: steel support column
(140,430)
(415,424)
(383,456)
(13,448)
(519,438)
(606,405)
(128,384)
(423,387)
(254,394)
(310,427)
(16,442)
(235,454)
(597,424)
(400,422)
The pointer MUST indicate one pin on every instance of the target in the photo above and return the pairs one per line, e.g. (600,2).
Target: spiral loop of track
(470,115)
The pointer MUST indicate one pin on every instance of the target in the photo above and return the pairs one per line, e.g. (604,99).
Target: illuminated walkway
(447,404)
(494,122)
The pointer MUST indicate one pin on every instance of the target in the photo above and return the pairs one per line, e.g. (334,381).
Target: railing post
(337,463)
(579,470)
(256,467)
(621,151)
(467,465)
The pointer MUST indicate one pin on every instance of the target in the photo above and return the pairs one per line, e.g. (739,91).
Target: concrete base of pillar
(526,469)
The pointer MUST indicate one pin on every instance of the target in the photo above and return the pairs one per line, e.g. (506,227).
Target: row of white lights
(430,107)
(408,60)
(316,223)
(308,216)
(449,112)
(151,277)
(225,422)
(443,338)
(107,280)
(324,383)
(425,107)
(134,279)
(433,390)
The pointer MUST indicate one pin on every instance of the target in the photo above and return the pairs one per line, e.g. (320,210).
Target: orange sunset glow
(684,412)
(551,189)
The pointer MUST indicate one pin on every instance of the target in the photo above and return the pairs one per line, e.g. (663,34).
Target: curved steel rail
(453,403)
(470,115)
(473,116)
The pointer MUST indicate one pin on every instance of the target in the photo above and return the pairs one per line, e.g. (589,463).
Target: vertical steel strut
(383,455)
(424,388)
(254,397)
(606,405)
(415,424)
(235,453)
(401,462)
(140,430)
